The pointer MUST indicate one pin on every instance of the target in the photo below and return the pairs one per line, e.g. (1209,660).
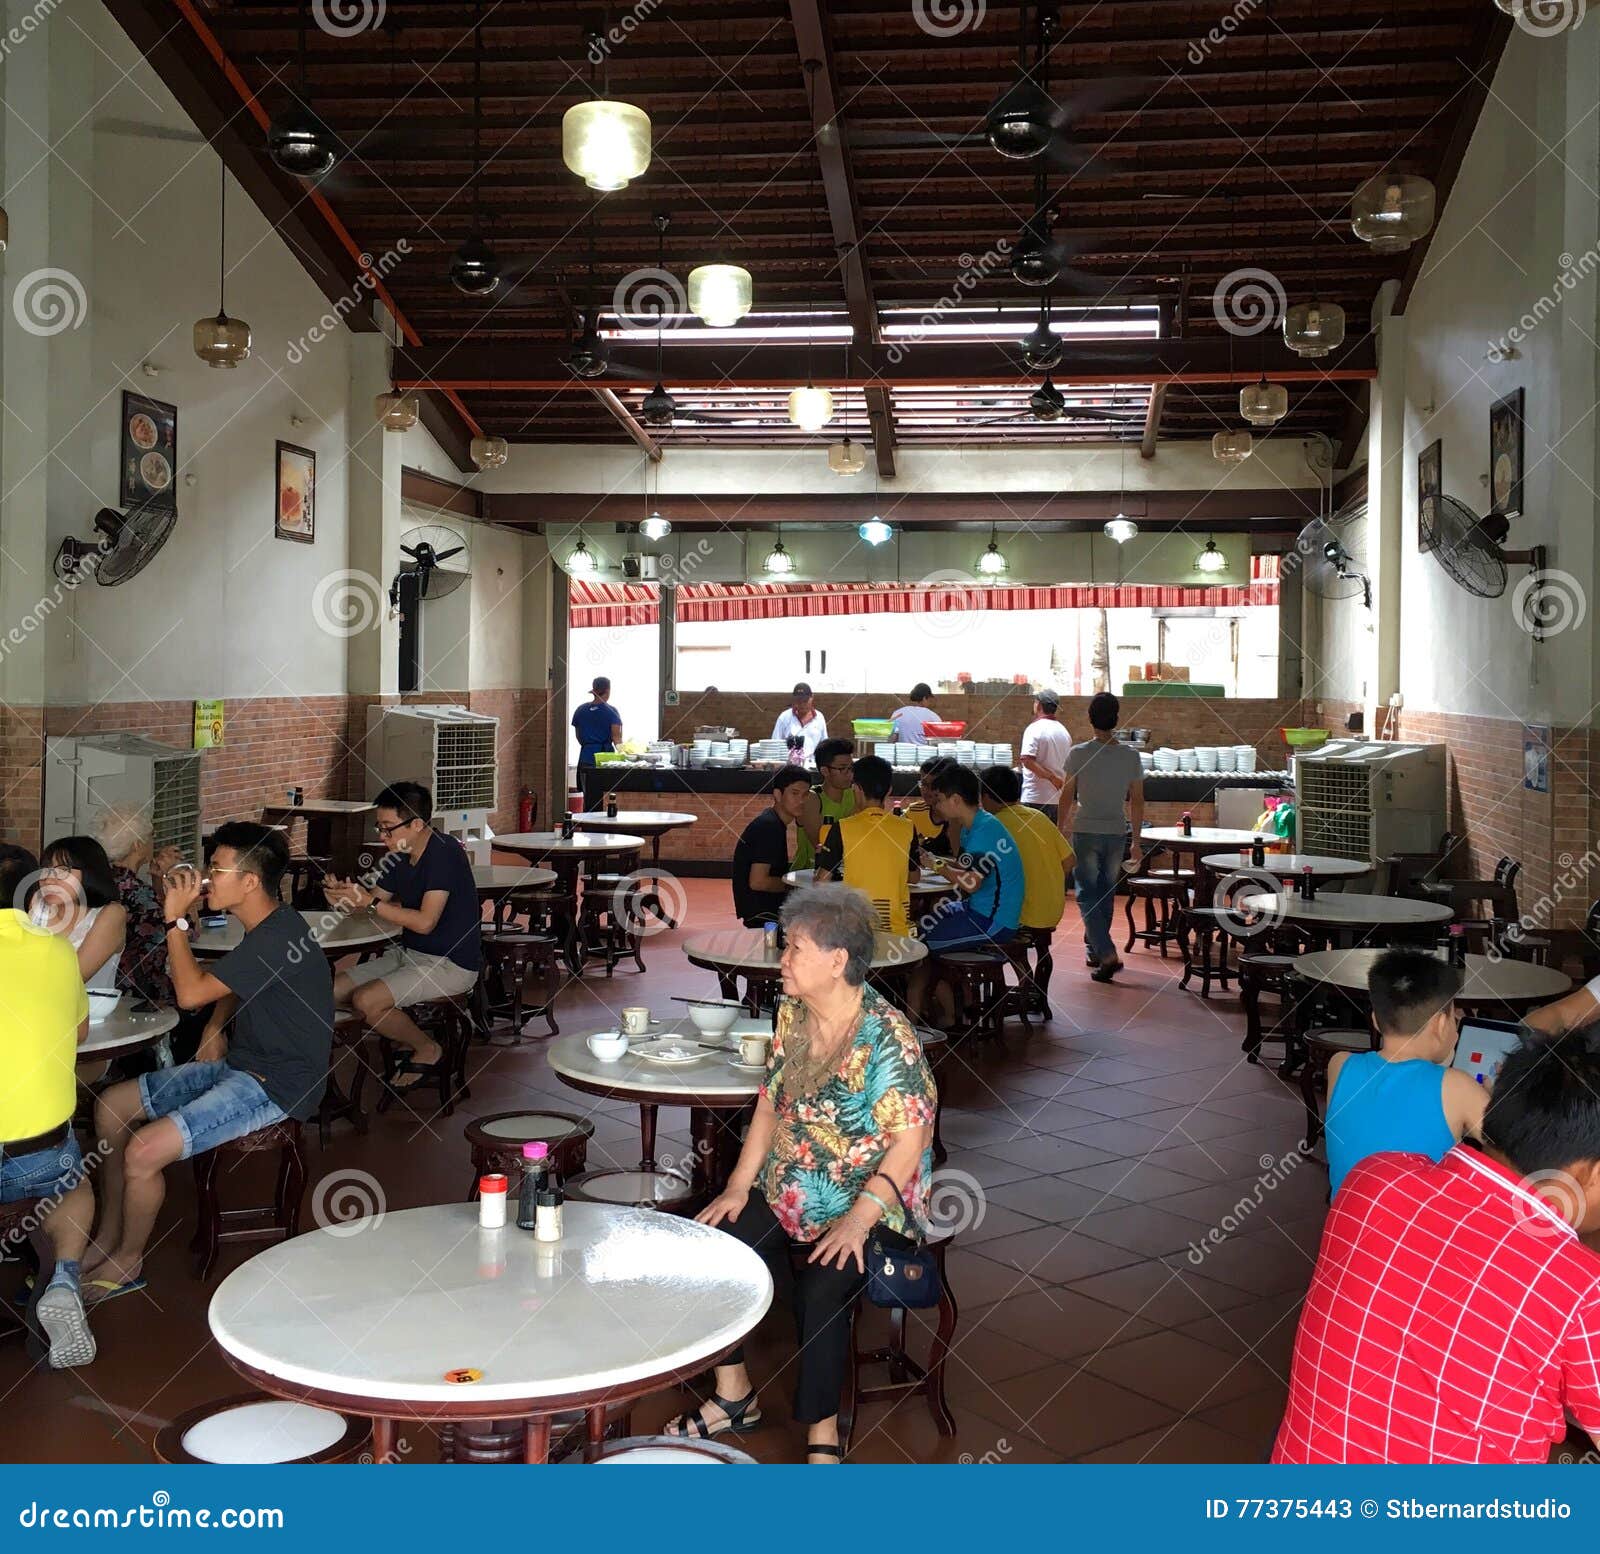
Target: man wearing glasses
(831,800)
(429,894)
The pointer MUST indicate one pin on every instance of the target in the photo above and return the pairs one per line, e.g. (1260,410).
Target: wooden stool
(305,875)
(935,1047)
(633,1188)
(496,1143)
(282,1217)
(256,1429)
(618,907)
(1273,974)
(349,1034)
(509,957)
(23,1222)
(449,1022)
(657,1450)
(1039,941)
(1025,998)
(1162,895)
(907,1378)
(1205,954)
(1320,1049)
(978,980)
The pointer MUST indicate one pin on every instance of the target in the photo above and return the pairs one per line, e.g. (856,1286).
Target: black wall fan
(1470,548)
(125,545)
(1329,554)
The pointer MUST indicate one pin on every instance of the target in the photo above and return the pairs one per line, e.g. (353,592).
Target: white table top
(1350,907)
(1290,865)
(124,1031)
(926,885)
(540,844)
(1486,981)
(1201,836)
(655,819)
(494,878)
(383,1311)
(324,807)
(336,933)
(744,949)
(712,1074)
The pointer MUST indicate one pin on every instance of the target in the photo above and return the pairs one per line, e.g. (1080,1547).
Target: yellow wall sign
(208,722)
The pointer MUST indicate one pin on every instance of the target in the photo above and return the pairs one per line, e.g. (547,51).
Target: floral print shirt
(142,971)
(825,1148)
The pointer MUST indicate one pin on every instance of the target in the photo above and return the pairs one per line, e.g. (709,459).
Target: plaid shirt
(1453,1317)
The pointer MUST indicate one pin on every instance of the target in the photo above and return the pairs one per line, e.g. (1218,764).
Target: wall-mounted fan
(1470,549)
(125,546)
(1330,555)
(436,561)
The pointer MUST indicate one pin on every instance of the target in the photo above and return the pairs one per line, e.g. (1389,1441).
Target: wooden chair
(496,1144)
(277,1221)
(1409,872)
(1268,974)
(339,1104)
(977,979)
(1203,943)
(449,1022)
(304,877)
(1163,898)
(1321,1046)
(510,957)
(255,1429)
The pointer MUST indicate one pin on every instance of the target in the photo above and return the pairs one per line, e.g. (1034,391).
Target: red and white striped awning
(635,604)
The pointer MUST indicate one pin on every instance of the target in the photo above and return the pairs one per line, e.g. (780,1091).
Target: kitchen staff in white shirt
(1045,748)
(801,718)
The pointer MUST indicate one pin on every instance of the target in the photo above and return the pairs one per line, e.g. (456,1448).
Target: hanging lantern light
(875,531)
(992,564)
(221,341)
(1211,560)
(580,560)
(1390,211)
(1121,529)
(1263,403)
(720,294)
(605,143)
(810,408)
(396,412)
(847,457)
(655,527)
(1232,447)
(490,452)
(779,562)
(1313,328)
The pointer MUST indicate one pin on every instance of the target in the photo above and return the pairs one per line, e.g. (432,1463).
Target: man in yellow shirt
(871,849)
(44,1014)
(934,834)
(1046,868)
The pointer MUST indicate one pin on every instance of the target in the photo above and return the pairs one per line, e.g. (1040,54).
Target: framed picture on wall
(295,516)
(1505,455)
(149,453)
(1430,486)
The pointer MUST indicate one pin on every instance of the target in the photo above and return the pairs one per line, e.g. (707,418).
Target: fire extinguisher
(525,805)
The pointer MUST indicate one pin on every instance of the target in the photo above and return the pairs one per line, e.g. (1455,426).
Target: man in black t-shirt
(761,856)
(263,1057)
(426,889)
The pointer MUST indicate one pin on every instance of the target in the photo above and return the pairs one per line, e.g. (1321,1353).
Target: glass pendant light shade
(1211,559)
(847,458)
(396,412)
(580,561)
(1313,328)
(720,294)
(655,527)
(1263,403)
(1390,211)
(992,564)
(875,531)
(779,562)
(605,143)
(221,341)
(1232,447)
(810,408)
(490,452)
(1121,529)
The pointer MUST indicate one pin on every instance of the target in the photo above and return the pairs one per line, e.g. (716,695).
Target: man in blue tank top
(1404,1097)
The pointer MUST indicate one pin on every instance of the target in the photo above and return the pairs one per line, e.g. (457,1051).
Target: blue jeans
(955,926)
(46,1173)
(210,1103)
(1095,870)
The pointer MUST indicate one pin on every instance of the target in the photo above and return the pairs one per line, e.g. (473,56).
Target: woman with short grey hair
(126,833)
(839,1147)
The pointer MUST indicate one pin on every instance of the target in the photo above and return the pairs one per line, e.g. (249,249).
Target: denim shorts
(210,1103)
(46,1173)
(957,926)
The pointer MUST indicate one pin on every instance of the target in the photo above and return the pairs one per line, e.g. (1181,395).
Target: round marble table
(334,933)
(496,881)
(711,1084)
(539,845)
(653,824)
(923,885)
(1346,911)
(1515,984)
(1155,838)
(124,1031)
(1287,866)
(371,1316)
(736,952)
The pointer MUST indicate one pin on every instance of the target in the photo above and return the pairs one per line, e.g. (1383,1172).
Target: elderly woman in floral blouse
(840,1143)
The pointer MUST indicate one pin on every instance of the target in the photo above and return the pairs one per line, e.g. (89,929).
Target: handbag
(901,1271)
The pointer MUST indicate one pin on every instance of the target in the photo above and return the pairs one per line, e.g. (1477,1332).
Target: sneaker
(61,1314)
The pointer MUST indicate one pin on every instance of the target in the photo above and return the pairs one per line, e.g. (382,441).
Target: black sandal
(740,1418)
(418,1073)
(822,1449)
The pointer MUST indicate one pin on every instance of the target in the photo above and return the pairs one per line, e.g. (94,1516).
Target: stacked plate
(1205,758)
(1147,760)
(1244,758)
(1166,759)
(908,755)
(1002,756)
(769,750)
(884,752)
(740,748)
(1227,758)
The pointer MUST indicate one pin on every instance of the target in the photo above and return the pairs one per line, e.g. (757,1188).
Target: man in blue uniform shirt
(598,724)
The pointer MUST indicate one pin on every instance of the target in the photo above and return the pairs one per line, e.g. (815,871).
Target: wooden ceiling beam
(1174,322)
(625,418)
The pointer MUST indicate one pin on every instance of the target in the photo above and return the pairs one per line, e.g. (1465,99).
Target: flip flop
(110,1288)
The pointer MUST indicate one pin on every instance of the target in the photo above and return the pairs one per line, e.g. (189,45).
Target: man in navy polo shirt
(598,723)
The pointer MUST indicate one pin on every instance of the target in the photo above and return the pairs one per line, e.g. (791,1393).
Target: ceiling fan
(1048,403)
(587,356)
(298,139)
(1040,255)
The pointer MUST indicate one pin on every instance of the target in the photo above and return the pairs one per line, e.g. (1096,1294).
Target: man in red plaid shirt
(1454,1316)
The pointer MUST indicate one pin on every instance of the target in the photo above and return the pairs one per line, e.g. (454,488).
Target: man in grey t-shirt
(1103,791)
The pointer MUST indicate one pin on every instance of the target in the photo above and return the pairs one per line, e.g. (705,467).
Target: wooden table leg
(703,1130)
(383,1440)
(597,1431)
(538,1446)
(647,1137)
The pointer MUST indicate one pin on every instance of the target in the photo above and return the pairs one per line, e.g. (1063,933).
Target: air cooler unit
(86,773)
(1366,799)
(449,749)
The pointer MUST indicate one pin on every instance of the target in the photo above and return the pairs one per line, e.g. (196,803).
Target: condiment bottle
(535,1178)
(1188,824)
(547,1226)
(611,806)
(493,1190)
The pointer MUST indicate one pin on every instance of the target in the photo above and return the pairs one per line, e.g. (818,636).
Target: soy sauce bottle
(535,1180)
(1258,853)
(611,806)
(1308,884)
(1188,824)
(1458,946)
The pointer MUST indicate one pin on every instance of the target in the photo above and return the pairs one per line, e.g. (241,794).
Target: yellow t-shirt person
(42,1004)
(1044,852)
(872,852)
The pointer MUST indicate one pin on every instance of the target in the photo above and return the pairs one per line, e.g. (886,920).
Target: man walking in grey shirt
(1104,789)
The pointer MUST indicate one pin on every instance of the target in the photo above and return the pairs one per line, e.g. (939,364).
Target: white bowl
(103,1004)
(713,1019)
(608,1046)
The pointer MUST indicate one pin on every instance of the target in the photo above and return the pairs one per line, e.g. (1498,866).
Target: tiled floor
(1086,1160)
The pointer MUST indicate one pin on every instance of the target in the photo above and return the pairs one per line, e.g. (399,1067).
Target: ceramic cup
(608,1046)
(635,1021)
(753,1047)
